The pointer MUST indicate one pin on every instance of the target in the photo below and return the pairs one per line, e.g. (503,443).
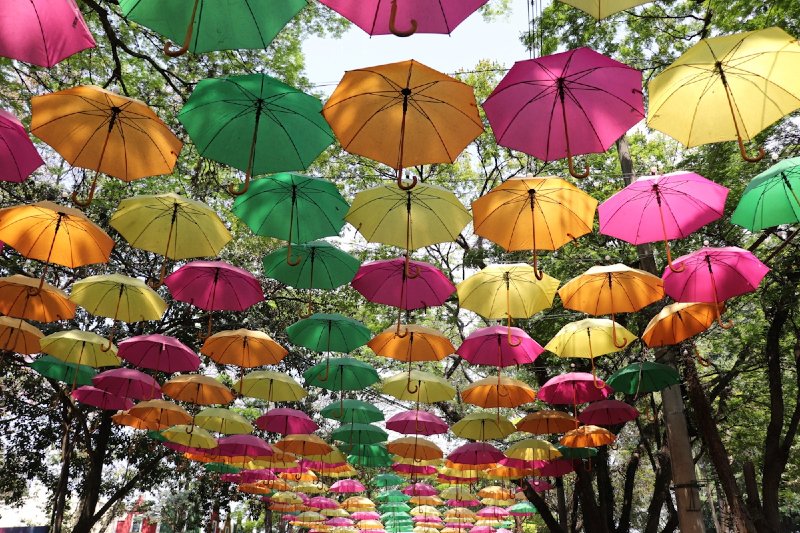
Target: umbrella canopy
(528,213)
(243,446)
(270,386)
(416,343)
(772,198)
(18,336)
(340,374)
(81,348)
(347,486)
(128,383)
(101,399)
(53,368)
(641,378)
(204,26)
(161,413)
(476,453)
(428,388)
(359,434)
(415,422)
(255,123)
(159,352)
(303,445)
(715,76)
(197,389)
(192,436)
(348,411)
(34,299)
(18,156)
(286,422)
(482,426)
(321,266)
(386,282)
(386,480)
(679,321)
(415,448)
(486,346)
(215,286)
(97,129)
(590,338)
(244,348)
(547,422)
(574,388)
(498,391)
(403,115)
(601,9)
(530,450)
(587,437)
(323,332)
(662,207)
(223,421)
(586,100)
(608,413)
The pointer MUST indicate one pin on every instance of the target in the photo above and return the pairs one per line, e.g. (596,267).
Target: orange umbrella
(416,447)
(197,389)
(244,348)
(415,344)
(54,233)
(18,336)
(498,391)
(29,298)
(587,437)
(99,130)
(547,422)
(124,418)
(161,412)
(303,445)
(255,488)
(679,321)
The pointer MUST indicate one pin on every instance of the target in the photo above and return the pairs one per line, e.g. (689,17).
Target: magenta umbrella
(129,383)
(159,352)
(415,422)
(214,286)
(322,503)
(608,413)
(557,467)
(420,489)
(493,512)
(499,346)
(538,486)
(476,453)
(339,522)
(365,515)
(463,503)
(231,478)
(18,156)
(663,207)
(581,101)
(42,32)
(414,469)
(482,529)
(382,17)
(573,388)
(286,422)
(347,486)
(242,446)
(101,399)
(713,275)
(261,474)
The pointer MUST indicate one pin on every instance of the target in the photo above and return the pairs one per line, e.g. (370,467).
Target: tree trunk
(90,492)
(60,495)
(605,490)
(541,506)
(592,517)
(624,524)
(562,502)
(660,490)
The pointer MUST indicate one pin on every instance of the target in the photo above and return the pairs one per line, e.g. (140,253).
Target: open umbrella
(601,9)
(18,336)
(222,421)
(416,422)
(679,321)
(341,374)
(428,387)
(498,391)
(483,426)
(641,378)
(476,453)
(573,388)
(81,348)
(359,434)
(585,100)
(547,422)
(485,346)
(204,26)
(18,155)
(415,344)
(715,77)
(128,383)
(587,437)
(159,352)
(286,422)
(197,389)
(348,486)
(101,399)
(255,123)
(97,129)
(303,445)
(607,413)
(270,386)
(662,207)
(417,449)
(33,299)
(323,332)
(772,198)
(347,411)
(403,114)
(53,368)
(191,436)
(244,348)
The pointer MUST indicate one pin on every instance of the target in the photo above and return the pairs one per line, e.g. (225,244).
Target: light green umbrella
(387,480)
(772,198)
(52,368)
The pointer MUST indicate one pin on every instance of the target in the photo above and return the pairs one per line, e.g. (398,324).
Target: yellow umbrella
(547,422)
(245,348)
(311,488)
(428,388)
(80,347)
(118,297)
(497,492)
(310,516)
(482,426)
(528,213)
(416,448)
(587,437)
(270,386)
(735,86)
(532,450)
(18,336)
(608,290)
(29,298)
(425,510)
(601,9)
(160,412)
(197,389)
(333,513)
(457,512)
(498,391)
(458,493)
(286,497)
(358,503)
(97,129)
(190,435)
(223,421)
(170,225)
(54,233)
(433,501)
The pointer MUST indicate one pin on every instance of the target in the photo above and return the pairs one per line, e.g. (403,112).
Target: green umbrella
(255,123)
(387,480)
(206,26)
(293,208)
(370,455)
(576,453)
(641,378)
(52,368)
(323,332)
(221,468)
(340,374)
(522,509)
(157,436)
(392,496)
(396,517)
(348,411)
(321,266)
(396,507)
(772,198)
(359,434)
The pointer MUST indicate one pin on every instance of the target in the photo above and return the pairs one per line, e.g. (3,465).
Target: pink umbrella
(365,515)
(463,503)
(159,352)
(598,98)
(261,474)
(493,512)
(713,275)
(380,17)
(573,388)
(499,346)
(129,383)
(414,469)
(557,467)
(243,446)
(417,422)
(522,464)
(231,478)
(101,399)
(420,489)
(286,422)
(215,286)
(339,522)
(347,486)
(321,503)
(18,156)
(538,486)
(476,453)
(608,413)
(42,32)
(656,208)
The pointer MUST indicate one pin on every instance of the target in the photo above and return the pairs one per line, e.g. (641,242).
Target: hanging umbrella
(403,115)
(642,378)
(498,391)
(197,389)
(159,352)
(222,421)
(507,291)
(243,446)
(415,422)
(270,386)
(601,9)
(607,413)
(586,100)
(369,455)
(547,422)
(587,437)
(347,486)
(415,448)
(191,436)
(393,495)
(303,445)
(496,492)
(382,18)
(54,233)
(162,413)
(53,368)
(255,123)
(386,480)
(204,26)
(215,286)
(341,374)
(18,336)
(485,346)
(359,434)
(286,422)
(170,225)
(323,332)
(420,489)
(530,450)
(348,411)
(428,387)
(573,388)
(715,77)
(321,266)
(527,213)
(772,198)
(18,156)
(483,426)
(100,398)
(415,344)
(522,509)
(81,348)
(33,299)
(42,32)
(128,383)
(679,321)
(662,207)
(97,129)
(118,297)
(244,348)
(476,453)
(713,275)
(604,290)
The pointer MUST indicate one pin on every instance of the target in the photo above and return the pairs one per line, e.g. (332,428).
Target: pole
(684,480)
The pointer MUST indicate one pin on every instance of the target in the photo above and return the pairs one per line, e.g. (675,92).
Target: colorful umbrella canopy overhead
(678,322)
(713,275)
(18,156)
(203,26)
(586,100)
(99,130)
(32,299)
(601,9)
(244,348)
(486,346)
(80,348)
(359,434)
(772,198)
(255,123)
(348,411)
(42,32)
(347,486)
(547,422)
(159,352)
(476,453)
(387,282)
(329,332)
(404,18)
(270,386)
(403,115)
(128,383)
(573,388)
(161,413)
(641,378)
(341,374)
(53,368)
(662,207)
(197,389)
(321,266)
(528,213)
(18,336)
(191,436)
(415,344)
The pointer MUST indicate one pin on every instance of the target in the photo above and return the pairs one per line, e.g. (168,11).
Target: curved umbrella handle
(402,185)
(238,191)
(536,272)
(511,339)
(614,335)
(700,359)
(327,372)
(746,157)
(171,52)
(309,310)
(88,200)
(289,260)
(393,19)
(573,172)
(105,349)
(408,385)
